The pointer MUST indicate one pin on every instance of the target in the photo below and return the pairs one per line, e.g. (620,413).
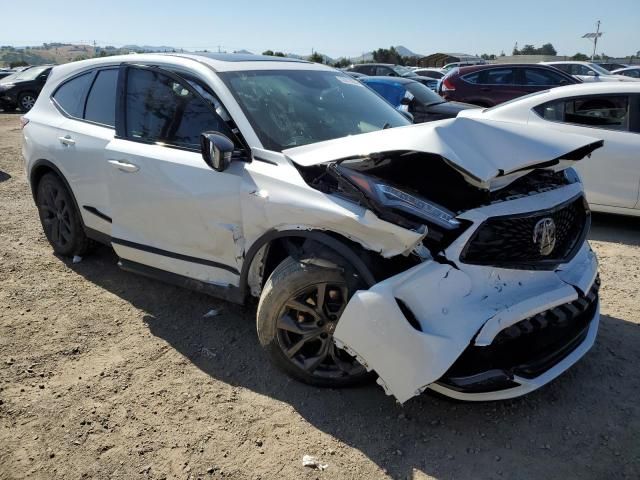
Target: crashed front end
(502,296)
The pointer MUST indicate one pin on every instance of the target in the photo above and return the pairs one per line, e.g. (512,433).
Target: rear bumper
(457,307)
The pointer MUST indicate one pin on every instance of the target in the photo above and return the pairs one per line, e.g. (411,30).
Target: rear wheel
(26,101)
(299,309)
(59,217)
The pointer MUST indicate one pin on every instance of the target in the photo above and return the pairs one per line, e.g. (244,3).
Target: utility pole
(594,37)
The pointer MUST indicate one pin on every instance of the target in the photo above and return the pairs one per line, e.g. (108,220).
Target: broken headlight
(388,196)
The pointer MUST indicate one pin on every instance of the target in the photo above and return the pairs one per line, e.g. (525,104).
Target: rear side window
(610,112)
(160,109)
(539,76)
(101,103)
(70,96)
(472,77)
(499,76)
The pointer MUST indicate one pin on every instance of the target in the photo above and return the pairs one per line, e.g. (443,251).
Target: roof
(387,79)
(243,57)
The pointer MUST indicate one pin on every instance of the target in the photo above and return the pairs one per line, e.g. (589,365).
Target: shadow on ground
(4,176)
(615,228)
(429,434)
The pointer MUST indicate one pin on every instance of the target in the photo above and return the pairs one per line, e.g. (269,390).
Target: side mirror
(591,73)
(216,150)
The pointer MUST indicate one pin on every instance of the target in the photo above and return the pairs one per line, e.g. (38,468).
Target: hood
(480,149)
(442,110)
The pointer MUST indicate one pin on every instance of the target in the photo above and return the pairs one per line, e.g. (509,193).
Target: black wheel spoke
(55,230)
(321,292)
(302,308)
(288,323)
(341,364)
(311,363)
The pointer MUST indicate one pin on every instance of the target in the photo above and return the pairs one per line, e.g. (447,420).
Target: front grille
(508,241)
(531,346)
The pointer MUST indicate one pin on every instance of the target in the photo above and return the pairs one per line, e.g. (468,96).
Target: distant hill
(148,48)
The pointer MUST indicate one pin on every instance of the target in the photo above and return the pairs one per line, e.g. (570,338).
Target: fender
(327,240)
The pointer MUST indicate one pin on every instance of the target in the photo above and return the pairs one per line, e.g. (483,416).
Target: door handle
(67,140)
(124,166)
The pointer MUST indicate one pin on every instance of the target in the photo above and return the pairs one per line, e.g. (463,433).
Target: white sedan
(606,111)
(588,72)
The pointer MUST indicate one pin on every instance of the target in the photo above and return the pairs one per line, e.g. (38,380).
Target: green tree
(581,57)
(278,54)
(547,49)
(342,63)
(387,55)
(268,52)
(316,58)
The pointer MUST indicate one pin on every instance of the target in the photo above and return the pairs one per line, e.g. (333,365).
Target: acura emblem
(544,235)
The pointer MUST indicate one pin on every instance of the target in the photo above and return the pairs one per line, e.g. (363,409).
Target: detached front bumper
(476,332)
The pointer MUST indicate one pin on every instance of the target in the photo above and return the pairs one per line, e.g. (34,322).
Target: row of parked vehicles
(20,89)
(448,255)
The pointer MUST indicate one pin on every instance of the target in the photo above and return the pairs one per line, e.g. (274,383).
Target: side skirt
(229,292)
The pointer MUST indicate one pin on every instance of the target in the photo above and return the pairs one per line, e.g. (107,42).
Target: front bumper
(414,327)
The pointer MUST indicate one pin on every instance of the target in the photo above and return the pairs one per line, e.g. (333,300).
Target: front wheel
(298,311)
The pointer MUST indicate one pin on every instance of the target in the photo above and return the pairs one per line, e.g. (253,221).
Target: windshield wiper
(386,125)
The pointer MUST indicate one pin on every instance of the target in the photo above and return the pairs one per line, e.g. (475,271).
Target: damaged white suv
(448,255)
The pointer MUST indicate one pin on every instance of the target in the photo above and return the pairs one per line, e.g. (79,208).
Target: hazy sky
(336,28)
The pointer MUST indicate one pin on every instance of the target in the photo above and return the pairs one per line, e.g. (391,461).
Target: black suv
(22,89)
(390,70)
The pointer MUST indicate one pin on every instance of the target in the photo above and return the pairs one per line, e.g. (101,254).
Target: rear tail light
(23,122)
(447,85)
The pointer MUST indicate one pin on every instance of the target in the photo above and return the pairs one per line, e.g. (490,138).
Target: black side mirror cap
(217,150)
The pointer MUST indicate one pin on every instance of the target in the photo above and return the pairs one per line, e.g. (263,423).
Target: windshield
(29,74)
(289,108)
(423,94)
(404,71)
(599,69)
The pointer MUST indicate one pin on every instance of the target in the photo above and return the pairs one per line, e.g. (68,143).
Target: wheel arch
(40,168)
(274,246)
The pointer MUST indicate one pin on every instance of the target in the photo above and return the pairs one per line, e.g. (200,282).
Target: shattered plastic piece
(211,313)
(76,259)
(313,462)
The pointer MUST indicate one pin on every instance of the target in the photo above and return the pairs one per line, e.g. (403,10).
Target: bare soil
(105,374)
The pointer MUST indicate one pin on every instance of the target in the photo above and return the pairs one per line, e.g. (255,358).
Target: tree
(581,57)
(278,54)
(387,55)
(268,52)
(486,56)
(547,49)
(342,63)
(316,58)
(19,63)
(528,50)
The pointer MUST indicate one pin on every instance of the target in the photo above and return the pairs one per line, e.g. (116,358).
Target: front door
(171,211)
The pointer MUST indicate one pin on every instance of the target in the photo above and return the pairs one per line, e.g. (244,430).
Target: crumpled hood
(480,149)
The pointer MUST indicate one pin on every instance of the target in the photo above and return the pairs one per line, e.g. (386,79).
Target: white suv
(452,253)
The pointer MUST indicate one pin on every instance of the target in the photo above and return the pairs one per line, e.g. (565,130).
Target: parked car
(450,66)
(587,71)
(413,97)
(633,72)
(6,72)
(22,88)
(387,69)
(435,73)
(449,255)
(489,85)
(607,111)
(612,66)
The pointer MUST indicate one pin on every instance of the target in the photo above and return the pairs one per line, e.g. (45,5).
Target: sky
(335,28)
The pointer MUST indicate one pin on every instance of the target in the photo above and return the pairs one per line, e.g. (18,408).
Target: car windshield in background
(289,108)
(599,69)
(423,94)
(26,75)
(404,71)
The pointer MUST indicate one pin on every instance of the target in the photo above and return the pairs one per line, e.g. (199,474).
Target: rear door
(170,210)
(611,174)
(498,85)
(534,79)
(87,102)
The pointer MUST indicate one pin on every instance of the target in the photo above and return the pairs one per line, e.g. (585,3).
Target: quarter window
(70,95)
(610,112)
(101,103)
(160,109)
(538,76)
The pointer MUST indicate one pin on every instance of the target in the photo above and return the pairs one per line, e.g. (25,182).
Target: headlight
(572,175)
(6,86)
(394,198)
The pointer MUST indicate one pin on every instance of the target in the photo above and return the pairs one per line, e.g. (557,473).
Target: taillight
(447,85)
(23,122)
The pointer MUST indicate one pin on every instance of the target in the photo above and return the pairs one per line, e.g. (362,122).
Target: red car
(489,85)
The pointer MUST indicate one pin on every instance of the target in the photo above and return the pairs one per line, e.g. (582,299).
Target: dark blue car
(410,96)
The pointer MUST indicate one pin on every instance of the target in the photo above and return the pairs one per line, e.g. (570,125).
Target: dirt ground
(105,374)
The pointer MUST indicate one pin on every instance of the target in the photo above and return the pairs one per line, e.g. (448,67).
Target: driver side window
(161,109)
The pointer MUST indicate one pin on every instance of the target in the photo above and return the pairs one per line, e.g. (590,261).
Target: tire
(296,338)
(60,219)
(26,100)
